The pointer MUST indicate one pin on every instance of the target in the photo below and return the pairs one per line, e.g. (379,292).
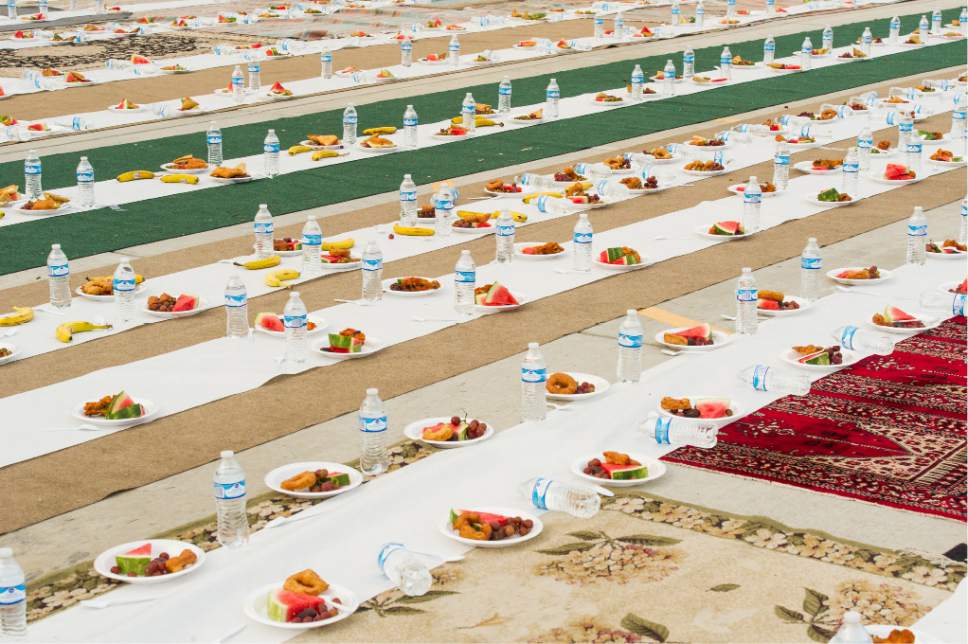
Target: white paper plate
(521,121)
(199,307)
(895,182)
(601,386)
(167,167)
(275,478)
(349,266)
(393,280)
(947,256)
(370,347)
(139,290)
(832,204)
(11,348)
(804,305)
(486,310)
(621,267)
(945,138)
(519,252)
(618,103)
(175,72)
(703,231)
(651,191)
(930,322)
(791,357)
(413,432)
(720,339)
(226,181)
(65,207)
(315,146)
(319,322)
(472,231)
(948,287)
(656,469)
(135,110)
(883,153)
(452,137)
(947,164)
(149,407)
(256,606)
(740,188)
(536,529)
(707,148)
(363,148)
(675,157)
(105,561)
(832,274)
(734,407)
(705,173)
(807,167)
(524,190)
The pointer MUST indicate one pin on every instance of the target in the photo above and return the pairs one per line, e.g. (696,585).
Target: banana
(275,279)
(344,244)
(258,264)
(412,231)
(519,217)
(479,121)
(134,175)
(299,149)
(65,332)
(20,315)
(324,154)
(528,199)
(385,129)
(180,178)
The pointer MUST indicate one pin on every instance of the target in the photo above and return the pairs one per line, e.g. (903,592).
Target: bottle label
(465,277)
(504,91)
(123,285)
(583,238)
(752,198)
(410,121)
(915,147)
(85,176)
(349,119)
(312,240)
(630,340)
(385,552)
(235,301)
(958,304)
(539,493)
(214,139)
(688,59)
(58,270)
(906,126)
(271,148)
(639,77)
(851,168)
(444,204)
(373,424)
(32,168)
(533,376)
(237,82)
(598,20)
(759,377)
(506,231)
(372,264)
(294,321)
(453,47)
(326,57)
(847,336)
(865,143)
(469,109)
(408,196)
(668,74)
(263,227)
(725,59)
(255,68)
(769,46)
(746,294)
(662,426)
(917,230)
(10,595)
(406,45)
(676,10)
(229,491)
(811,263)
(782,159)
(553,94)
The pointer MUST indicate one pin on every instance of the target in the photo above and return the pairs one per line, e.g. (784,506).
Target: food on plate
(562,383)
(49,72)
(49,201)
(414,285)
(620,162)
(896,318)
(454,429)
(853,53)
(860,274)
(188,162)
(499,186)
(896,636)
(795,140)
(824,115)
(346,341)
(605,97)
(524,15)
(549,248)
(524,44)
(483,526)
(495,294)
(5,352)
(815,355)
(700,408)
(568,174)
(125,104)
(881,147)
(324,154)
(914,39)
(698,336)
(139,562)
(298,600)
(703,142)
(188,104)
(727,229)
(65,332)
(452,130)
(784,66)
(765,187)
(169,304)
(832,195)
(278,89)
(272,322)
(178,69)
(224,172)
(259,264)
(377,142)
(473,220)
(826,164)
(775,301)
(635,183)
(742,62)
(323,139)
(479,120)
(704,166)
(384,74)
(620,255)
(118,407)
(931,135)
(316,481)
(615,466)
(948,247)
(135,175)
(899,172)
(275,279)
(536,115)
(895,100)
(947,156)
(660,152)
(20,315)
(103,284)
(9,194)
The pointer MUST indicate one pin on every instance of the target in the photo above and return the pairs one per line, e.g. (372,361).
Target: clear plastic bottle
(752,203)
(730,10)
(255,76)
(468,112)
(688,64)
(746,298)
(123,286)
(865,141)
(263,229)
(618,26)
(917,236)
(504,236)
(701,15)
(771,7)
(349,125)
(638,82)
(630,341)
(236,307)
(453,52)
(851,631)
(59,277)
(373,434)
(781,166)
(326,63)
(827,38)
(504,96)
(864,340)
(33,176)
(238,84)
(866,42)
(85,183)
(726,64)
(963,19)
(913,153)
(599,25)
(769,50)
(667,430)
(894,32)
(12,9)
(556,496)
(581,250)
(443,211)
(230,497)
(905,129)
(811,264)
(405,569)
(675,16)
(534,406)
(963,231)
(295,318)
(408,201)
(312,247)
(763,378)
(924,26)
(410,123)
(406,52)
(669,78)
(850,171)
(465,281)
(13,596)
(270,153)
(959,117)
(213,141)
(372,272)
(806,55)
(552,98)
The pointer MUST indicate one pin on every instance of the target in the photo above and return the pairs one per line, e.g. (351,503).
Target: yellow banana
(535,195)
(134,175)
(479,121)
(258,264)
(275,279)
(298,149)
(344,244)
(65,332)
(20,315)
(324,154)
(412,231)
(519,217)
(385,129)
(180,178)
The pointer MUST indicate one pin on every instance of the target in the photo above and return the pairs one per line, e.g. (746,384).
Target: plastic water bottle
(865,142)
(326,63)
(958,120)
(894,33)
(85,183)
(850,170)
(534,406)
(270,153)
(406,52)
(781,166)
(263,228)
(963,232)
(730,9)
(771,7)
(229,483)
(752,202)
(504,237)
(638,82)
(468,113)
(913,153)
(669,78)
(851,631)
(905,129)
(552,98)
(443,211)
(465,280)
(410,123)
(123,286)
(213,139)
(373,432)
(453,52)
(556,496)
(504,96)
(59,277)
(312,247)
(700,15)
(667,430)
(238,84)
(255,76)
(582,244)
(963,18)
(769,50)
(917,235)
(372,273)
(44,5)
(349,125)
(688,64)
(863,340)
(866,42)
(236,307)
(827,38)
(408,201)
(13,596)
(618,26)
(811,263)
(923,27)
(405,569)
(764,378)
(746,298)
(599,26)
(676,15)
(33,176)
(806,55)
(295,318)
(12,9)
(726,63)
(630,342)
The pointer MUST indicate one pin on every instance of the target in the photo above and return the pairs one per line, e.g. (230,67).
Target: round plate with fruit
(705,410)
(617,469)
(180,307)
(286,247)
(139,289)
(257,607)
(740,188)
(900,318)
(519,250)
(697,338)
(782,311)
(372,346)
(730,231)
(424,292)
(598,384)
(835,275)
(273,325)
(823,359)
(443,432)
(494,515)
(313,479)
(808,168)
(831,204)
(884,631)
(8,352)
(146,562)
(147,408)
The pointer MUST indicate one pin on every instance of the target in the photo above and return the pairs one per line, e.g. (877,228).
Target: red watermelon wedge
(499,295)
(185,303)
(700,331)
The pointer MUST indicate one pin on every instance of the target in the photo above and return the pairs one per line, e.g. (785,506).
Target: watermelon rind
(134,561)
(118,403)
(729,228)
(338,341)
(818,358)
(341,479)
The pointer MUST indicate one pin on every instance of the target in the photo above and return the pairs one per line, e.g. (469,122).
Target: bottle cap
(55,246)
(533,345)
(226,453)
(372,391)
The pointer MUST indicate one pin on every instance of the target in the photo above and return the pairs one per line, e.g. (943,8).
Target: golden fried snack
(9,194)
(222,172)
(561,383)
(775,296)
(808,349)
(182,561)
(896,636)
(578,188)
(306,582)
(323,139)
(618,458)
(188,162)
(470,526)
(632,183)
(300,481)
(675,404)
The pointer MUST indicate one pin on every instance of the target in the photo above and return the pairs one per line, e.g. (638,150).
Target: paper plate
(804,305)
(703,231)
(791,357)
(520,246)
(807,167)
(370,347)
(413,432)
(832,274)
(12,349)
(255,606)
(621,267)
(656,469)
(536,529)
(734,407)
(176,314)
(105,561)
(167,167)
(720,339)
(139,289)
(930,322)
(319,322)
(601,386)
(275,478)
(150,411)
(388,282)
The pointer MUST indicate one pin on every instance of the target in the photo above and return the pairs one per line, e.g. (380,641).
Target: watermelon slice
(339,478)
(139,60)
(339,343)
(703,331)
(895,314)
(135,560)
(818,358)
(277,88)
(626,472)
(283,605)
(963,287)
(185,303)
(769,305)
(898,172)
(621,255)
(729,228)
(499,295)
(712,407)
(270,322)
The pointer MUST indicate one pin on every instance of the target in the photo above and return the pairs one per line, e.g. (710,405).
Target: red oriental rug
(890,430)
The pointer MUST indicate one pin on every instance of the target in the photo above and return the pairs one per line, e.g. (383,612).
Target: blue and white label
(255,68)
(751,198)
(349,119)
(865,143)
(214,139)
(917,230)
(725,59)
(312,240)
(759,377)
(465,277)
(10,595)
(372,264)
(582,238)
(746,294)
(847,336)
(533,375)
(781,159)
(59,270)
(444,204)
(408,196)
(505,231)
(410,121)
(504,90)
(468,110)
(811,263)
(719,157)
(701,10)
(85,176)
(235,301)
(294,321)
(406,45)
(806,132)
(958,304)
(630,340)
(599,21)
(638,77)
(661,431)
(123,285)
(271,148)
(850,168)
(676,10)
(906,126)
(373,424)
(237,82)
(688,59)
(229,491)
(539,493)
(668,74)
(454,48)
(326,57)
(385,553)
(915,147)
(32,167)
(263,227)
(552,94)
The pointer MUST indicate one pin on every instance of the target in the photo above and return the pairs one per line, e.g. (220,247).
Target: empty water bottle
(255,76)
(443,211)
(372,272)
(408,201)
(236,307)
(726,64)
(405,569)
(769,50)
(349,125)
(865,142)
(688,64)
(465,280)
(552,98)
(752,202)
(638,82)
(556,496)
(599,21)
(230,497)
(238,84)
(270,153)
(85,183)
(13,596)
(669,78)
(582,244)
(863,340)
(630,341)
(410,123)
(468,112)
(453,52)
(781,166)
(263,228)
(905,128)
(124,285)
(851,631)
(917,236)
(312,247)
(213,140)
(764,378)
(373,434)
(811,263)
(406,52)
(827,39)
(850,170)
(894,32)
(746,299)
(504,234)
(33,176)
(504,96)
(678,432)
(295,319)
(701,14)
(534,405)
(58,277)
(675,13)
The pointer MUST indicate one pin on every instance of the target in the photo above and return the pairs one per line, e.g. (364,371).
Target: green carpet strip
(104,230)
